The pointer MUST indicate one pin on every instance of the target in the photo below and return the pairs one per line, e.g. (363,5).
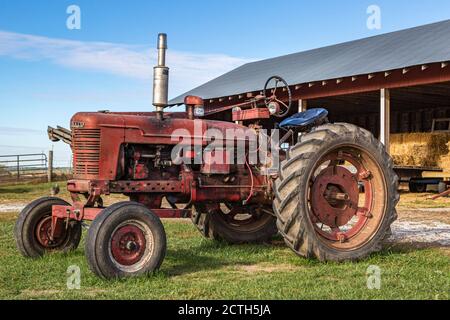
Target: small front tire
(125,240)
(33,229)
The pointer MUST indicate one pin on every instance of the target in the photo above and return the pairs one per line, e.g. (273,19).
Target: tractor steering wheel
(272,102)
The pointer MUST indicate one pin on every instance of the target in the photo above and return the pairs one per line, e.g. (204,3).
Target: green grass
(27,192)
(422,201)
(24,193)
(196,268)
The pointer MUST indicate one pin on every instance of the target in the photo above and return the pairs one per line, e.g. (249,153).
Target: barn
(392,83)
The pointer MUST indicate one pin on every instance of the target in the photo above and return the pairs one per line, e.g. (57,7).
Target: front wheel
(125,240)
(320,210)
(33,229)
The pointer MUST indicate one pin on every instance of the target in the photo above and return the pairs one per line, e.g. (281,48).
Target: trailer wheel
(421,187)
(412,187)
(125,240)
(236,224)
(442,187)
(416,187)
(33,228)
(320,210)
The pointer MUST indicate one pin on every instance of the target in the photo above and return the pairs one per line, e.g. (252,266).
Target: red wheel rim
(335,198)
(128,244)
(43,234)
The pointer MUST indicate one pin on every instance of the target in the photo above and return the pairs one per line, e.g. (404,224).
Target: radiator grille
(86,151)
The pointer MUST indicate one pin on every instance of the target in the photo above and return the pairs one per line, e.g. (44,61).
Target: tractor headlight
(273,107)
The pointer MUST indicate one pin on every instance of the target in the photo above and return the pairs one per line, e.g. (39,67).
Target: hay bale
(444,161)
(420,149)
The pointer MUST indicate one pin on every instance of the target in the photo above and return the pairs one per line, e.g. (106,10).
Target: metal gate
(21,167)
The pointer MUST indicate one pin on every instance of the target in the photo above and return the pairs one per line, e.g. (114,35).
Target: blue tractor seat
(304,120)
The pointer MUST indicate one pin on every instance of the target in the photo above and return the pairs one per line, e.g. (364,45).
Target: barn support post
(50,166)
(302,105)
(385,121)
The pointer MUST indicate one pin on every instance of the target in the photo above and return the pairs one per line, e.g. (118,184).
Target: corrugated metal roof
(406,48)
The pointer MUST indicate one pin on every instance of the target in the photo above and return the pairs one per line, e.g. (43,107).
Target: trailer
(420,178)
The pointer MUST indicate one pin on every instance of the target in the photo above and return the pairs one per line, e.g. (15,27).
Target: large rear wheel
(321,212)
(235,224)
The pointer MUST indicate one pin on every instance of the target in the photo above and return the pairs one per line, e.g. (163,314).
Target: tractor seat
(305,120)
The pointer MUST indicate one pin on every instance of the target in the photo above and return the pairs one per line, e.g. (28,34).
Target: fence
(22,167)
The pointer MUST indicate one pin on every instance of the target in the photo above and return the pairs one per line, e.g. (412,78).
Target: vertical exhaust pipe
(161,78)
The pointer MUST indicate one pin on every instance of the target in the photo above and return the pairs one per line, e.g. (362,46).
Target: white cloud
(16,131)
(188,70)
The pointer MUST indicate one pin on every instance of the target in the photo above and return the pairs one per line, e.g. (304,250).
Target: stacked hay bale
(421,149)
(444,161)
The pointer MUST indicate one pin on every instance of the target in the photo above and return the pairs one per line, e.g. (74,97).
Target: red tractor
(331,195)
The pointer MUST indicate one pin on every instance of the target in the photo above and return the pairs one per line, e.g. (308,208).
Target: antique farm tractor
(328,189)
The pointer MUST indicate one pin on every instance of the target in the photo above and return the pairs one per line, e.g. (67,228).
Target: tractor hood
(144,127)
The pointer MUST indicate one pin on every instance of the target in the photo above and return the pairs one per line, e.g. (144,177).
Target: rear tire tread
(301,241)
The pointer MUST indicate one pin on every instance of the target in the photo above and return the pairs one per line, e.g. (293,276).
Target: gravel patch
(12,207)
(433,210)
(410,232)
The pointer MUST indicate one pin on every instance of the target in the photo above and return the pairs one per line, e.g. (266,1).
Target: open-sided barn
(392,83)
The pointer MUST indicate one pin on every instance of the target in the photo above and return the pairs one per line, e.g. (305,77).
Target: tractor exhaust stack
(161,78)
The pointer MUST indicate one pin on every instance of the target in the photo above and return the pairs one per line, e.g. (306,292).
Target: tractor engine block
(147,162)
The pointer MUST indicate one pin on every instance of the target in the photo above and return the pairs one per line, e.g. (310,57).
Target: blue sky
(48,72)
